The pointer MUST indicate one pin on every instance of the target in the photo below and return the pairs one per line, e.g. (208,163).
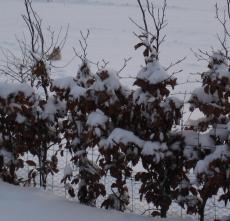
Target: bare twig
(173,64)
(224,20)
(104,64)
(126,60)
(83,45)
(151,39)
(202,55)
(34,53)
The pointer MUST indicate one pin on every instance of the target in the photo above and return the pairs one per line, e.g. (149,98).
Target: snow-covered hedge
(130,128)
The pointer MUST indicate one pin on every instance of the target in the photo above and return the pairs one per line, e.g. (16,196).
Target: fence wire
(214,208)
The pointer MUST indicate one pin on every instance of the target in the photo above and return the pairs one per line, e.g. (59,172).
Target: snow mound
(32,204)
(9,89)
(153,73)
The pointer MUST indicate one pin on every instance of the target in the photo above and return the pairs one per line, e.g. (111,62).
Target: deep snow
(27,204)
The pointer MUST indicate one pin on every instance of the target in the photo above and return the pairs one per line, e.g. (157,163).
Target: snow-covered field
(31,204)
(191,25)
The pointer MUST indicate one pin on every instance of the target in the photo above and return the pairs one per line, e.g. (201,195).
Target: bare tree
(152,32)
(34,61)
(224,20)
(151,38)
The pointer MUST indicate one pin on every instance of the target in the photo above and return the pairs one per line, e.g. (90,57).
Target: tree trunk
(201,210)
(42,161)
(163,213)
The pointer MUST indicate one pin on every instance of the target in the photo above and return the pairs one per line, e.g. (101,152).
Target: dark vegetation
(126,126)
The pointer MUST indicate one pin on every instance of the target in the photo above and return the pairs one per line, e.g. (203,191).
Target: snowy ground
(191,25)
(28,204)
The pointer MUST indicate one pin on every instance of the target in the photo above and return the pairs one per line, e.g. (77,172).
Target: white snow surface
(192,138)
(20,119)
(222,152)
(6,154)
(76,91)
(52,107)
(154,149)
(68,171)
(64,83)
(220,131)
(97,118)
(204,97)
(17,203)
(111,83)
(153,73)
(220,70)
(7,89)
(194,141)
(119,135)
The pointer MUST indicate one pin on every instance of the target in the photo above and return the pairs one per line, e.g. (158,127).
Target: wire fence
(214,208)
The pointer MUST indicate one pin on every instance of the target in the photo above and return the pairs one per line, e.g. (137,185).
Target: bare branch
(224,20)
(104,64)
(151,39)
(202,55)
(126,60)
(83,45)
(173,64)
(143,16)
